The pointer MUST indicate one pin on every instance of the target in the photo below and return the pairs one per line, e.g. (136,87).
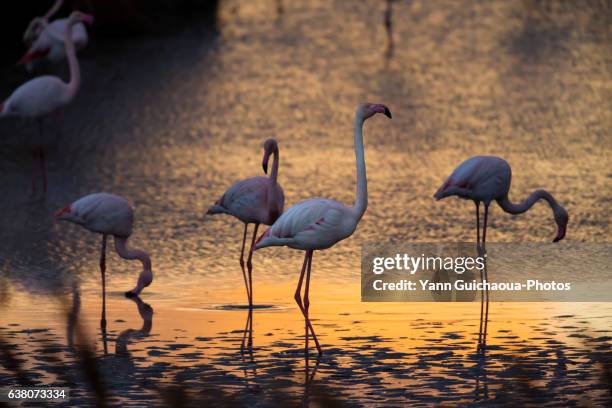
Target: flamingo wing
(480,178)
(103,212)
(246,199)
(311,224)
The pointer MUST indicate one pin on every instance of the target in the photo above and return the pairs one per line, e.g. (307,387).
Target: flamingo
(256,200)
(109,214)
(486,179)
(46,40)
(319,223)
(44,95)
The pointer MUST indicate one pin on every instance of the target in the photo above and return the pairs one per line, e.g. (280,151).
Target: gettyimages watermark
(511,272)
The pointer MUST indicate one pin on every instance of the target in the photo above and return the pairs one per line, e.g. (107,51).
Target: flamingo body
(480,178)
(317,223)
(248,200)
(102,213)
(50,43)
(36,98)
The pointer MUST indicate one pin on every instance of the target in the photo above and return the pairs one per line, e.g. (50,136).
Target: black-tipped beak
(560,234)
(388,113)
(265,167)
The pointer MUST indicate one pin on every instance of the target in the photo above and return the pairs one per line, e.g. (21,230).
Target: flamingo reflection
(123,339)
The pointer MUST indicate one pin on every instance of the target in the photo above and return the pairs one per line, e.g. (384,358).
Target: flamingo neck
(275,163)
(127,253)
(361,199)
(73,62)
(54,9)
(512,208)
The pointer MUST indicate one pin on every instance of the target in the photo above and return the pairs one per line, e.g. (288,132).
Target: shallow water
(171,122)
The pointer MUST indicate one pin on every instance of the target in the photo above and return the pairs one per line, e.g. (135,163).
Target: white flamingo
(44,95)
(46,40)
(319,223)
(109,214)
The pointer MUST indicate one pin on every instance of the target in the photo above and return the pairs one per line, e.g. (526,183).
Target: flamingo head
(34,29)
(270,146)
(561,218)
(78,16)
(367,110)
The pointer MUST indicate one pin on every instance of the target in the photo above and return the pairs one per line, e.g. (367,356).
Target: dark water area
(171,119)
(113,18)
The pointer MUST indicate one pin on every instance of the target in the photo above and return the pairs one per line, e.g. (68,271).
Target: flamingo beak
(560,233)
(264,163)
(562,221)
(387,113)
(59,213)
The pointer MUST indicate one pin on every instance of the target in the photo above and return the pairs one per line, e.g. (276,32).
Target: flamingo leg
(246,285)
(478,247)
(250,265)
(250,269)
(103,271)
(298,297)
(484,240)
(307,303)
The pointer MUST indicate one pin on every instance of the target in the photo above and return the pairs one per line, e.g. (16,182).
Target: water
(170,122)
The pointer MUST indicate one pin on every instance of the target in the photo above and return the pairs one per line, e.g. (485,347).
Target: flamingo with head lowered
(109,214)
(484,179)
(319,223)
(46,40)
(47,94)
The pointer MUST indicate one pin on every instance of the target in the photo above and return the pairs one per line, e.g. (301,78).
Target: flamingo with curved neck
(46,40)
(44,95)
(486,179)
(256,200)
(320,223)
(37,25)
(109,214)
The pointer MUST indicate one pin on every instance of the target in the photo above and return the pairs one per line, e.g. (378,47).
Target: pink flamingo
(109,214)
(46,40)
(256,200)
(319,223)
(485,179)
(47,94)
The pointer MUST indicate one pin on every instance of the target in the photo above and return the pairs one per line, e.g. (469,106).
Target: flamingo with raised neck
(319,223)
(45,95)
